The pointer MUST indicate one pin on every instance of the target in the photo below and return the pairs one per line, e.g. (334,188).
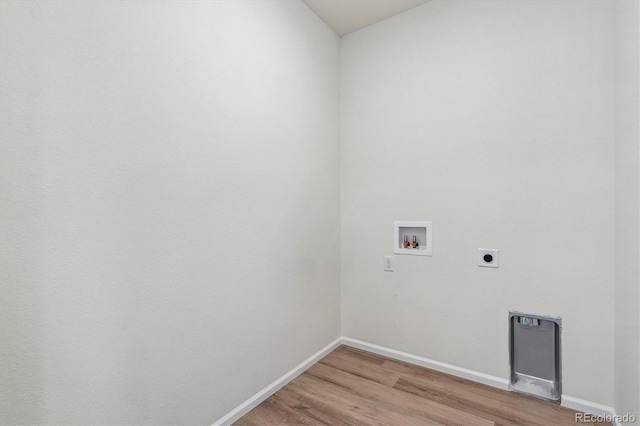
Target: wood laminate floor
(354,387)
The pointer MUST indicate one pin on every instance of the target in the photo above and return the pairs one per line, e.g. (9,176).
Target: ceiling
(346,16)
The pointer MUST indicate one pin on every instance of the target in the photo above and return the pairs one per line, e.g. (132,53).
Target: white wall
(169,196)
(493,119)
(169,186)
(627,214)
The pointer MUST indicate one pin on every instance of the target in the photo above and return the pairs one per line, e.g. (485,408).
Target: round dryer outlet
(488,258)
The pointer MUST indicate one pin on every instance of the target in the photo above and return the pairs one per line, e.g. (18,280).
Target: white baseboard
(496,382)
(442,367)
(587,406)
(487,379)
(274,387)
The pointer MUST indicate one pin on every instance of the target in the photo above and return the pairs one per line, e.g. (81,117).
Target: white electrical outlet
(388,263)
(489,258)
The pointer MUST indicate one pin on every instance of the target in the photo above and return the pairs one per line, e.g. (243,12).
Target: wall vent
(534,356)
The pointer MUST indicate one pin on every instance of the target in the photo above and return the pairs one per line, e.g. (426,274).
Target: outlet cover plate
(388,263)
(488,258)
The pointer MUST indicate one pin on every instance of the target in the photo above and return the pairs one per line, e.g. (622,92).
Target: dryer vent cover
(534,355)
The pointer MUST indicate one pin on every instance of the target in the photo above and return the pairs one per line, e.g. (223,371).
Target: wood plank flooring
(354,387)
